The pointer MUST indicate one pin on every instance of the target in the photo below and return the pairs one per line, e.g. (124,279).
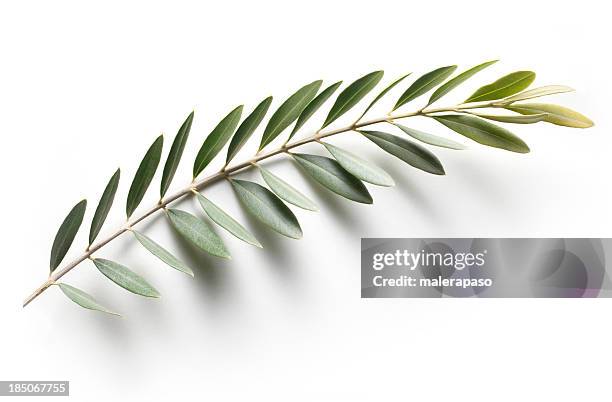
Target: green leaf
(360,168)
(413,154)
(483,132)
(176,152)
(424,84)
(537,92)
(267,208)
(286,191)
(458,80)
(83,299)
(383,93)
(66,233)
(314,105)
(505,86)
(197,232)
(247,128)
(555,114)
(352,95)
(162,253)
(331,175)
(144,175)
(430,138)
(125,278)
(289,111)
(516,119)
(104,206)
(222,219)
(216,140)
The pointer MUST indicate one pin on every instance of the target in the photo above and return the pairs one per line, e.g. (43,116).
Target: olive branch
(343,174)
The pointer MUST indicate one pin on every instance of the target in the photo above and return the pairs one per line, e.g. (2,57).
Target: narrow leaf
(516,119)
(176,152)
(222,219)
(197,232)
(83,299)
(314,105)
(483,132)
(247,128)
(267,208)
(144,175)
(424,84)
(383,93)
(360,168)
(104,206)
(555,114)
(538,92)
(66,233)
(125,278)
(162,253)
(216,140)
(289,111)
(430,138)
(413,154)
(505,86)
(352,95)
(331,175)
(286,191)
(458,80)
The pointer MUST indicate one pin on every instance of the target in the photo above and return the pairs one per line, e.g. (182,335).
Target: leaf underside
(83,299)
(430,138)
(161,253)
(555,114)
(198,232)
(125,278)
(360,168)
(286,191)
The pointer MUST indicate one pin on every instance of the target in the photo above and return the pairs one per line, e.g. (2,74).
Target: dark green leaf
(197,232)
(331,175)
(66,233)
(216,140)
(125,278)
(162,253)
(430,138)
(424,84)
(360,168)
(483,132)
(458,80)
(314,105)
(83,299)
(247,128)
(221,218)
(383,93)
(411,153)
(286,191)
(267,208)
(505,86)
(174,157)
(352,95)
(289,111)
(555,114)
(104,206)
(144,175)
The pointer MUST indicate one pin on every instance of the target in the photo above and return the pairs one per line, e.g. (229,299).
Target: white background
(86,88)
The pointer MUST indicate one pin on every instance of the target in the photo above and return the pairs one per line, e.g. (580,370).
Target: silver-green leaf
(514,119)
(144,175)
(352,95)
(247,128)
(104,206)
(66,233)
(286,191)
(555,114)
(83,299)
(483,132)
(314,105)
(175,154)
(359,167)
(267,208)
(413,154)
(222,219)
(289,111)
(505,86)
(216,140)
(197,232)
(458,80)
(430,138)
(331,175)
(537,93)
(424,84)
(125,278)
(383,93)
(162,253)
